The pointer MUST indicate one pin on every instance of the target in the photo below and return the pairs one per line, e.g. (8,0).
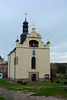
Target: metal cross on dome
(47,39)
(17,37)
(33,25)
(25,14)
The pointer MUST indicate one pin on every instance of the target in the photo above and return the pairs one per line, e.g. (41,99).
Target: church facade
(30,59)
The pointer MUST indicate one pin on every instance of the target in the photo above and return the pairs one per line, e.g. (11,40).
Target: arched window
(33,43)
(33,63)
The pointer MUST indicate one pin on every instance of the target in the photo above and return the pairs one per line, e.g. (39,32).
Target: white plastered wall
(24,54)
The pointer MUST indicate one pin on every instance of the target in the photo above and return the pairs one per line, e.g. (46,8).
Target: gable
(33,34)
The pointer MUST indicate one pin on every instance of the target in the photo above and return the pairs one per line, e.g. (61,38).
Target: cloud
(62,57)
(58,53)
(59,47)
(58,57)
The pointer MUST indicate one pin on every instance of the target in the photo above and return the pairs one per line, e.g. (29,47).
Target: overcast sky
(49,16)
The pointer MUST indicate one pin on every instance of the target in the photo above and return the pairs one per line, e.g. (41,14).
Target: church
(30,59)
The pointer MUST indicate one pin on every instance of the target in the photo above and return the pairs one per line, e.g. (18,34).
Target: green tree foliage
(66,76)
(61,69)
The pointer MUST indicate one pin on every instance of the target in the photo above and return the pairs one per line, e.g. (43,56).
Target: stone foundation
(41,79)
(28,79)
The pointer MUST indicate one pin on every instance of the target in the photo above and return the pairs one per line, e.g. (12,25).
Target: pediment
(34,33)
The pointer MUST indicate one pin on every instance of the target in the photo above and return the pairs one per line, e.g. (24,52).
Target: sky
(49,16)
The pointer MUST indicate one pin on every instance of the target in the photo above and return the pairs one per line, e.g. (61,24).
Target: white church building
(30,59)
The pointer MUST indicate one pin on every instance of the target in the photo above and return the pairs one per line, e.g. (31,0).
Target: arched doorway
(33,77)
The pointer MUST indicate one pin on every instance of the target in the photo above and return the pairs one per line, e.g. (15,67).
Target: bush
(66,76)
(61,69)
(58,81)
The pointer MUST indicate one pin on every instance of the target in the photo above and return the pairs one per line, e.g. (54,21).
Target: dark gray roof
(12,51)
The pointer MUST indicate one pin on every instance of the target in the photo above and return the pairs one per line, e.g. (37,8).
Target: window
(15,60)
(33,43)
(33,52)
(46,76)
(33,65)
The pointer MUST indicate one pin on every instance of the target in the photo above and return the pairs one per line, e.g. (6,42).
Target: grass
(51,91)
(1,98)
(38,88)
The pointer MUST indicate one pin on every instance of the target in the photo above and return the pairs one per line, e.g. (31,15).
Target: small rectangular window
(46,76)
(33,51)
(15,60)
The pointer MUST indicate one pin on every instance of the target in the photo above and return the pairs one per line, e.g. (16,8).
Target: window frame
(33,63)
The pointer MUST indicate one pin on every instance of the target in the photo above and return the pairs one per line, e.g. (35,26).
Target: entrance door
(33,77)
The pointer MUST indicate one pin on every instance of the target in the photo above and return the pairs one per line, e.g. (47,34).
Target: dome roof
(25,22)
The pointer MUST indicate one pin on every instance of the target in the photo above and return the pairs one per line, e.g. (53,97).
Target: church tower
(25,31)
(30,60)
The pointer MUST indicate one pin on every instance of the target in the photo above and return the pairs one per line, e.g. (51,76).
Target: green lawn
(1,98)
(38,88)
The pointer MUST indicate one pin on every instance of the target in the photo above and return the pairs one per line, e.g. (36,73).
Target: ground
(19,95)
(32,91)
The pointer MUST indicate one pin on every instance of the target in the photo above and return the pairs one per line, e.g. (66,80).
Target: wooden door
(33,77)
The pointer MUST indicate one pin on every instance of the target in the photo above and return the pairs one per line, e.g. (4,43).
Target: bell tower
(25,30)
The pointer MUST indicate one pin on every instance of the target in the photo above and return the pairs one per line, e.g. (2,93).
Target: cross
(47,39)
(17,37)
(25,15)
(33,25)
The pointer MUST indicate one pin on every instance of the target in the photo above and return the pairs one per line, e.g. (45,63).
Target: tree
(61,69)
(53,74)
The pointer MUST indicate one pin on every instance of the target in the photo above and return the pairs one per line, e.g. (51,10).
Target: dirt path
(19,95)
